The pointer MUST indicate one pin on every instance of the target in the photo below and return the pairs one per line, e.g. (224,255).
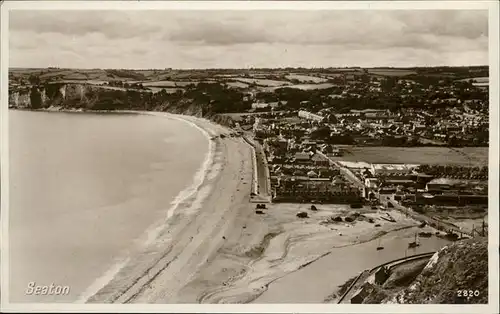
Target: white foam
(191,190)
(102,281)
(153,232)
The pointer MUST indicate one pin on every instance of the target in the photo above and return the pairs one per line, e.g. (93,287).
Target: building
(391,169)
(310,116)
(451,199)
(400,182)
(264,105)
(305,189)
(439,185)
(371,183)
(320,160)
(302,158)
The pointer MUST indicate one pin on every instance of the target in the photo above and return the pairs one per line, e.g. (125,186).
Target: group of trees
(479,138)
(211,98)
(400,141)
(126,85)
(455,171)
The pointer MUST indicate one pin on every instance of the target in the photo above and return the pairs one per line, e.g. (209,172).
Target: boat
(425,234)
(450,235)
(415,243)
(379,247)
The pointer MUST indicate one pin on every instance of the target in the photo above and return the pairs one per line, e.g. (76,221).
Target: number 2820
(467,293)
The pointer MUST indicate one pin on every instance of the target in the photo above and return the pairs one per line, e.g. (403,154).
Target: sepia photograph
(269,156)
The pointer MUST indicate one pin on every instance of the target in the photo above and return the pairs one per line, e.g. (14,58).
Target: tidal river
(84,189)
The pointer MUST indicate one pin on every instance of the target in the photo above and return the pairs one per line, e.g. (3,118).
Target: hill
(457,274)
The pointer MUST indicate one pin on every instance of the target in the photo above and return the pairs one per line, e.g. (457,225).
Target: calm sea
(85,187)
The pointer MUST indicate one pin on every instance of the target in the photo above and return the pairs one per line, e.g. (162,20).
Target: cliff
(457,274)
(204,101)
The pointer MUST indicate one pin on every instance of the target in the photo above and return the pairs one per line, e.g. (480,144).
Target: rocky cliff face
(19,99)
(93,97)
(457,274)
(56,94)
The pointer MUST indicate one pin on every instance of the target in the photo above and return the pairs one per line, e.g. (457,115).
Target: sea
(86,188)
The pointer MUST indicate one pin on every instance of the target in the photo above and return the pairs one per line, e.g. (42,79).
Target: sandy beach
(214,248)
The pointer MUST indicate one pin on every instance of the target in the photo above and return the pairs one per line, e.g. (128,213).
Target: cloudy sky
(241,39)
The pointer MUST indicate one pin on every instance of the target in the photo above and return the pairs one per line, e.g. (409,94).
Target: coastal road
(262,171)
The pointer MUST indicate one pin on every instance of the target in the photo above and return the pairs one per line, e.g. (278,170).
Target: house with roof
(372,183)
(302,158)
(440,185)
(320,160)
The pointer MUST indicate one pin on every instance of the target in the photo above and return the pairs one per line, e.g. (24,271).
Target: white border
(494,162)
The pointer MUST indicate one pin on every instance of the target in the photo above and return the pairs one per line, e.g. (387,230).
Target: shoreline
(152,233)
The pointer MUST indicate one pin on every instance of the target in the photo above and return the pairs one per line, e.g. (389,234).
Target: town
(322,135)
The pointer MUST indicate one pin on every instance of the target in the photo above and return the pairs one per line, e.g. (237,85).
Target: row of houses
(406,183)
(310,116)
(325,190)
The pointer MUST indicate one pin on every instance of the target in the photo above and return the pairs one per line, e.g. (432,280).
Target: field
(306,78)
(477,79)
(300,86)
(91,82)
(262,82)
(168,90)
(473,156)
(168,84)
(391,72)
(237,84)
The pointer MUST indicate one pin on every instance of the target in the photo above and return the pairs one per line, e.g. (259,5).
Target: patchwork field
(473,156)
(262,82)
(168,83)
(391,72)
(92,82)
(237,84)
(306,78)
(299,86)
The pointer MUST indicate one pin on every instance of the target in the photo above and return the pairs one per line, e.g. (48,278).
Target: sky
(244,39)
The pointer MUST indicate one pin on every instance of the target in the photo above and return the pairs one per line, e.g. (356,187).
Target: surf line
(152,233)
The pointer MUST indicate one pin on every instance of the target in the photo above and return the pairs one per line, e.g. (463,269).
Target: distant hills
(57,74)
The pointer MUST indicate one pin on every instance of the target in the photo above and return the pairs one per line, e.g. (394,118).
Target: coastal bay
(78,205)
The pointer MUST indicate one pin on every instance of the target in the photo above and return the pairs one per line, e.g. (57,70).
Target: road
(421,217)
(345,172)
(262,171)
(263,179)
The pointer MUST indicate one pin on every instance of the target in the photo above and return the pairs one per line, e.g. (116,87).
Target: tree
(34,79)
(35,98)
(321,133)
